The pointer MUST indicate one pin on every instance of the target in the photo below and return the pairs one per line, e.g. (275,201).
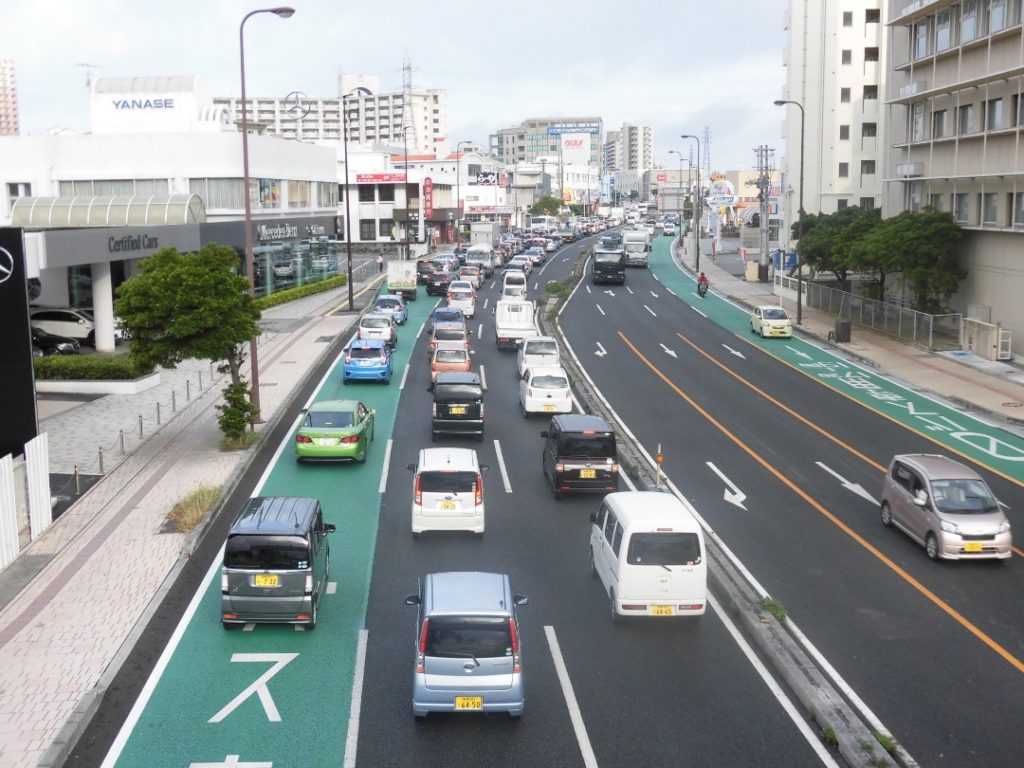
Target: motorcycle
(702,289)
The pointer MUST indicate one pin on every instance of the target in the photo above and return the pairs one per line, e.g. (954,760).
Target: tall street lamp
(348,208)
(458,191)
(254,376)
(800,229)
(696,206)
(680,185)
(408,224)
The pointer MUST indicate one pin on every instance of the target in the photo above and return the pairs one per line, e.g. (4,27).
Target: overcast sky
(675,65)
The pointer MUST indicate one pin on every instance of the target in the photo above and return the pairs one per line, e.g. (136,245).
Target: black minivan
(609,266)
(580,455)
(458,406)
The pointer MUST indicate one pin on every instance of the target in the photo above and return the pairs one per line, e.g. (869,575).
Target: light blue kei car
(367,360)
(391,304)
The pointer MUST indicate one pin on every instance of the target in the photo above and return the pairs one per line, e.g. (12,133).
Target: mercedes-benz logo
(294,107)
(6,265)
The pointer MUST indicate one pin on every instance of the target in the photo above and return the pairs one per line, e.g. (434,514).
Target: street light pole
(679,198)
(408,224)
(348,207)
(800,228)
(458,191)
(254,368)
(696,206)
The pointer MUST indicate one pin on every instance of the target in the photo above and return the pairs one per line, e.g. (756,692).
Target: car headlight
(949,527)
(1004,527)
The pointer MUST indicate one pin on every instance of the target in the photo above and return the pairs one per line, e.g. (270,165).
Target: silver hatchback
(468,647)
(946,507)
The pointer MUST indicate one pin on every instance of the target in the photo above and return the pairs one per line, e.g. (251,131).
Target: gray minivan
(276,562)
(468,646)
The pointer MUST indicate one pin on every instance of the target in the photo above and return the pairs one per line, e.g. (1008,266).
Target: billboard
(17,378)
(487,179)
(559,128)
(575,148)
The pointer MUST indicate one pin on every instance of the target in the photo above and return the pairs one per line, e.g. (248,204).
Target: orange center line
(882,557)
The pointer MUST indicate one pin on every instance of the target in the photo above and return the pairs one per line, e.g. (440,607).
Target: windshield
(607,258)
(664,548)
(472,636)
(262,552)
(545,381)
(775,314)
(587,446)
(963,497)
(329,419)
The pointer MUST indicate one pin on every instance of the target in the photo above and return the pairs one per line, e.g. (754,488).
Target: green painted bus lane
(278,696)
(988,445)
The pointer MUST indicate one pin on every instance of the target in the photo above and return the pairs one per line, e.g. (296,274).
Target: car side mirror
(544,433)
(330,527)
(411,467)
(412,599)
(520,600)
(593,517)
(484,467)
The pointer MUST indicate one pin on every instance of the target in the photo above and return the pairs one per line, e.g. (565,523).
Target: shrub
(775,608)
(299,292)
(90,368)
(192,510)
(557,289)
(237,412)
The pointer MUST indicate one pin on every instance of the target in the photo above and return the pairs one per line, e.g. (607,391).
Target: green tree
(237,412)
(549,205)
(829,240)
(189,306)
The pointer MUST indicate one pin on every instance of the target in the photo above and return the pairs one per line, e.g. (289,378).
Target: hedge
(90,368)
(309,289)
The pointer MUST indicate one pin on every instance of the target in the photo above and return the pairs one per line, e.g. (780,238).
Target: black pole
(348,207)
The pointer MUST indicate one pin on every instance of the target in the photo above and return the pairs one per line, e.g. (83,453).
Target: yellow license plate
(549,407)
(448,505)
(588,474)
(457,409)
(662,610)
(972,546)
(266,580)
(469,702)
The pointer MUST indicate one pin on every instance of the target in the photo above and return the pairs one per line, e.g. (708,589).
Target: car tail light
(350,440)
(417,492)
(613,468)
(479,497)
(690,606)
(303,439)
(433,410)
(309,584)
(348,358)
(383,359)
(517,664)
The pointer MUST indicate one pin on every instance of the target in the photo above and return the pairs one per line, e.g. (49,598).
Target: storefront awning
(107,211)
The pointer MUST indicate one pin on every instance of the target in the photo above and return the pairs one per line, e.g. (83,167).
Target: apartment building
(835,70)
(8,99)
(612,152)
(629,149)
(372,117)
(956,115)
(537,136)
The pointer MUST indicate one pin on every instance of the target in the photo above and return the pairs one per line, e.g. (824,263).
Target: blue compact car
(367,360)
(392,304)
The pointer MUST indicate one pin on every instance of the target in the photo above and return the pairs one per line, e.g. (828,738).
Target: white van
(448,491)
(648,550)
(481,255)
(513,285)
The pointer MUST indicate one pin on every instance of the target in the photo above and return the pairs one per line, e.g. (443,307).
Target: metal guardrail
(918,328)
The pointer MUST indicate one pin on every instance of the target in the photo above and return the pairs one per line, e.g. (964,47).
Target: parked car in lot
(438,282)
(458,406)
(325,262)
(771,320)
(335,430)
(448,491)
(449,356)
(545,389)
(70,323)
(394,305)
(580,455)
(51,344)
(444,315)
(381,327)
(367,360)
(946,507)
(468,655)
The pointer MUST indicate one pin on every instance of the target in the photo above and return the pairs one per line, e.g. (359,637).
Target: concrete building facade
(528,141)
(8,99)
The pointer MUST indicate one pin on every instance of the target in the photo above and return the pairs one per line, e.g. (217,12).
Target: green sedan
(334,430)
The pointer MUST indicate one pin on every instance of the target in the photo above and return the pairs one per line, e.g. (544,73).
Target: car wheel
(615,614)
(886,515)
(345,382)
(931,547)
(91,339)
(312,622)
(229,625)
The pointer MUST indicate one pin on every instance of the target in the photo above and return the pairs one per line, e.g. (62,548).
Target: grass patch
(828,735)
(775,608)
(193,509)
(555,288)
(887,742)
(246,440)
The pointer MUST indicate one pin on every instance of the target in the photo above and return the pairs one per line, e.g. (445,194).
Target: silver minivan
(946,507)
(276,562)
(468,655)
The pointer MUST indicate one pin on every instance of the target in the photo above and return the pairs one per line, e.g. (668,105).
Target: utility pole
(763,182)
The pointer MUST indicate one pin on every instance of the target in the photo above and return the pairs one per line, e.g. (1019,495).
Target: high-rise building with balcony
(629,149)
(956,129)
(8,99)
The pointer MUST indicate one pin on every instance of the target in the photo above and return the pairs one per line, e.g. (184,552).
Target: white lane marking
(483,377)
(697,311)
(420,330)
(631,291)
(575,715)
(352,738)
(670,290)
(579,407)
(405,375)
(588,289)
(848,485)
(480,331)
(501,466)
(248,627)
(599,309)
(485,303)
(653,314)
(536,285)
(332,587)
(286,440)
(777,691)
(384,472)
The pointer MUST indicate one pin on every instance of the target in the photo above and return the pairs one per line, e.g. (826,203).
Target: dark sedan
(438,282)
(52,344)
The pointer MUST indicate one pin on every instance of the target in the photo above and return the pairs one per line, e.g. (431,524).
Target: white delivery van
(647,548)
(481,255)
(448,491)
(514,322)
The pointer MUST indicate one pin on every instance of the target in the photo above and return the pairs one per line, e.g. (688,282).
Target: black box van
(276,562)
(580,455)
(458,406)
(609,266)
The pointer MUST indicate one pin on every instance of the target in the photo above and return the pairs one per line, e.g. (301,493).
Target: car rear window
(664,548)
(472,636)
(541,348)
(447,315)
(458,392)
(451,356)
(460,295)
(329,419)
(263,552)
(549,382)
(448,482)
(388,304)
(375,322)
(449,334)
(363,353)
(574,444)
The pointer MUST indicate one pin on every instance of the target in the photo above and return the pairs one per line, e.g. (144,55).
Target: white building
(835,69)
(537,136)
(8,99)
(372,117)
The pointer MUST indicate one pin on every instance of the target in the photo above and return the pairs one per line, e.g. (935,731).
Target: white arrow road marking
(796,351)
(732,494)
(735,351)
(855,487)
(654,294)
(600,350)
(697,311)
(599,309)
(609,291)
(669,351)
(653,314)
(259,685)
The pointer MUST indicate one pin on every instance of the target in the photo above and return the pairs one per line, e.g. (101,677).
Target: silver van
(946,507)
(468,655)
(276,562)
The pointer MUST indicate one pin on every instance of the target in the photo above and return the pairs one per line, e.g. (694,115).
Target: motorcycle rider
(703,283)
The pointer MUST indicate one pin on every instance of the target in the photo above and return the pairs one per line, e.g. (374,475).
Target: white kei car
(545,389)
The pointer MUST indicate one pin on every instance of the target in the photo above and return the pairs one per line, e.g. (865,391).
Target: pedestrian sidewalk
(993,390)
(72,605)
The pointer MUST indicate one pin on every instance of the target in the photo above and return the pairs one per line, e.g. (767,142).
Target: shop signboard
(380,178)
(428,198)
(575,148)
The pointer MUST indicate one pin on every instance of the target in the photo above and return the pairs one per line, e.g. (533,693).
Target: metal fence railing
(917,328)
